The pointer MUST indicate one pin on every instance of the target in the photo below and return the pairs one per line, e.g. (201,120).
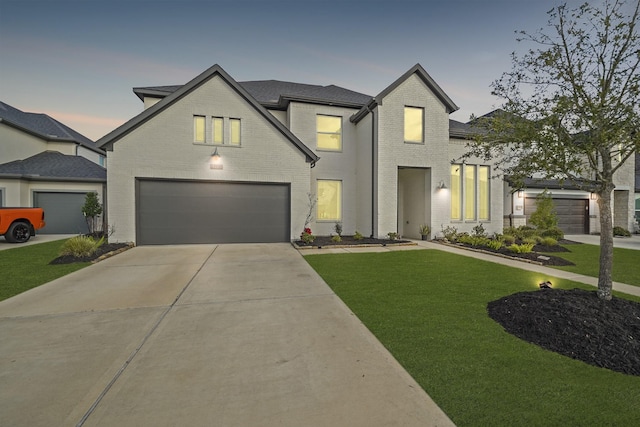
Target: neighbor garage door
(178,212)
(573,214)
(62,212)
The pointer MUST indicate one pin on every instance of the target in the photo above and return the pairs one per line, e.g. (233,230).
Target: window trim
(340,204)
(318,132)
(422,124)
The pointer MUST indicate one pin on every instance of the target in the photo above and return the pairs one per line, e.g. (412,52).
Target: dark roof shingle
(54,165)
(44,127)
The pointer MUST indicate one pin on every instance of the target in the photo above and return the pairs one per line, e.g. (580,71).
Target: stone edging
(112,253)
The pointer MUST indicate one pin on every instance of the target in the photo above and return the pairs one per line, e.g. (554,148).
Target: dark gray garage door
(573,214)
(62,212)
(179,212)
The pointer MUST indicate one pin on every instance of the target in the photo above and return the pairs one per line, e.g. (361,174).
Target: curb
(112,253)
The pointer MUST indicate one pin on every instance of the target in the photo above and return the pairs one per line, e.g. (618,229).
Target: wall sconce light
(594,196)
(441,185)
(216,160)
(520,194)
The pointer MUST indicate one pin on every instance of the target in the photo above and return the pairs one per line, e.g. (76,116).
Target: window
(413,124)
(198,129)
(456,192)
(329,207)
(217,124)
(234,124)
(483,193)
(470,192)
(329,133)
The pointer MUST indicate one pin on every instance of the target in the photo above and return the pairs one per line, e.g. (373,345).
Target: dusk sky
(78,60)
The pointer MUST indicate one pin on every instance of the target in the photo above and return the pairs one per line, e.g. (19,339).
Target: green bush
(81,246)
(338,228)
(479,231)
(358,236)
(545,216)
(619,231)
(450,233)
(554,232)
(549,241)
(510,231)
(524,248)
(508,239)
(530,240)
(393,235)
(494,244)
(336,239)
(525,231)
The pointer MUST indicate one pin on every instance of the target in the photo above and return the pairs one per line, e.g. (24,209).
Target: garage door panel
(178,212)
(62,212)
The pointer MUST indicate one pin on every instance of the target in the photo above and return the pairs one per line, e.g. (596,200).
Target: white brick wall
(163,148)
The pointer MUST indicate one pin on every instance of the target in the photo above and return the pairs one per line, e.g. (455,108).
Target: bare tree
(571,107)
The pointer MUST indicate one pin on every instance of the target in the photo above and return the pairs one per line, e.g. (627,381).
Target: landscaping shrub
(336,238)
(494,244)
(549,241)
(306,236)
(530,240)
(524,248)
(393,235)
(554,232)
(508,239)
(545,216)
(81,246)
(619,231)
(338,228)
(358,236)
(450,233)
(525,231)
(479,231)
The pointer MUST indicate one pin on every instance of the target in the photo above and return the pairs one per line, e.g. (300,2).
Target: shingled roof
(43,126)
(54,166)
(278,94)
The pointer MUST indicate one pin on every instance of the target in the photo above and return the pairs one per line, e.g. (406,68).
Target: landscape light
(545,285)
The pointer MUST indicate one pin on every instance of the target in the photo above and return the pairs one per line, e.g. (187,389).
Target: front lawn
(25,267)
(429,308)
(587,262)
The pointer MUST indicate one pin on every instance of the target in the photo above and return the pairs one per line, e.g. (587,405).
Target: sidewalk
(547,271)
(38,238)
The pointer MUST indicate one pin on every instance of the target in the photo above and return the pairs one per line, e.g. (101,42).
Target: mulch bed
(575,323)
(535,256)
(322,241)
(102,250)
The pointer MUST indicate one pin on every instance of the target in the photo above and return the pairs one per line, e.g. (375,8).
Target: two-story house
(44,163)
(215,160)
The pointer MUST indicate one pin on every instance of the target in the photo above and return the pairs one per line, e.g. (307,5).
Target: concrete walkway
(199,335)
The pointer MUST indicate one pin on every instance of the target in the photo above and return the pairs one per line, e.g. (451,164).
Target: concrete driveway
(229,335)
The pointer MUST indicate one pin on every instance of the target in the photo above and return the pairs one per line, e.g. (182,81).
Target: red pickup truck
(19,224)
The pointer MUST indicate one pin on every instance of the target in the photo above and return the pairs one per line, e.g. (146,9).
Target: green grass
(429,309)
(26,267)
(587,262)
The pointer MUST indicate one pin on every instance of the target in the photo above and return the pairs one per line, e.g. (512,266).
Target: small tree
(572,107)
(91,210)
(545,216)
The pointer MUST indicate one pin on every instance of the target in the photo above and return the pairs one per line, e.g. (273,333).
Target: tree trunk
(605,283)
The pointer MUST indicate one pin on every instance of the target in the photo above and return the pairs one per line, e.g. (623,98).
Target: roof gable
(44,127)
(417,69)
(108,140)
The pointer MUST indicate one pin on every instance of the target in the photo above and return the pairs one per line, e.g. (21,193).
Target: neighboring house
(44,163)
(216,161)
(637,194)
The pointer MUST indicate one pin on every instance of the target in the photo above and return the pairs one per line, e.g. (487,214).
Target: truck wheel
(18,232)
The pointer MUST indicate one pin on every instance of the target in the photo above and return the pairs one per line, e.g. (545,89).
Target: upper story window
(234,125)
(414,124)
(329,132)
(217,125)
(199,133)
